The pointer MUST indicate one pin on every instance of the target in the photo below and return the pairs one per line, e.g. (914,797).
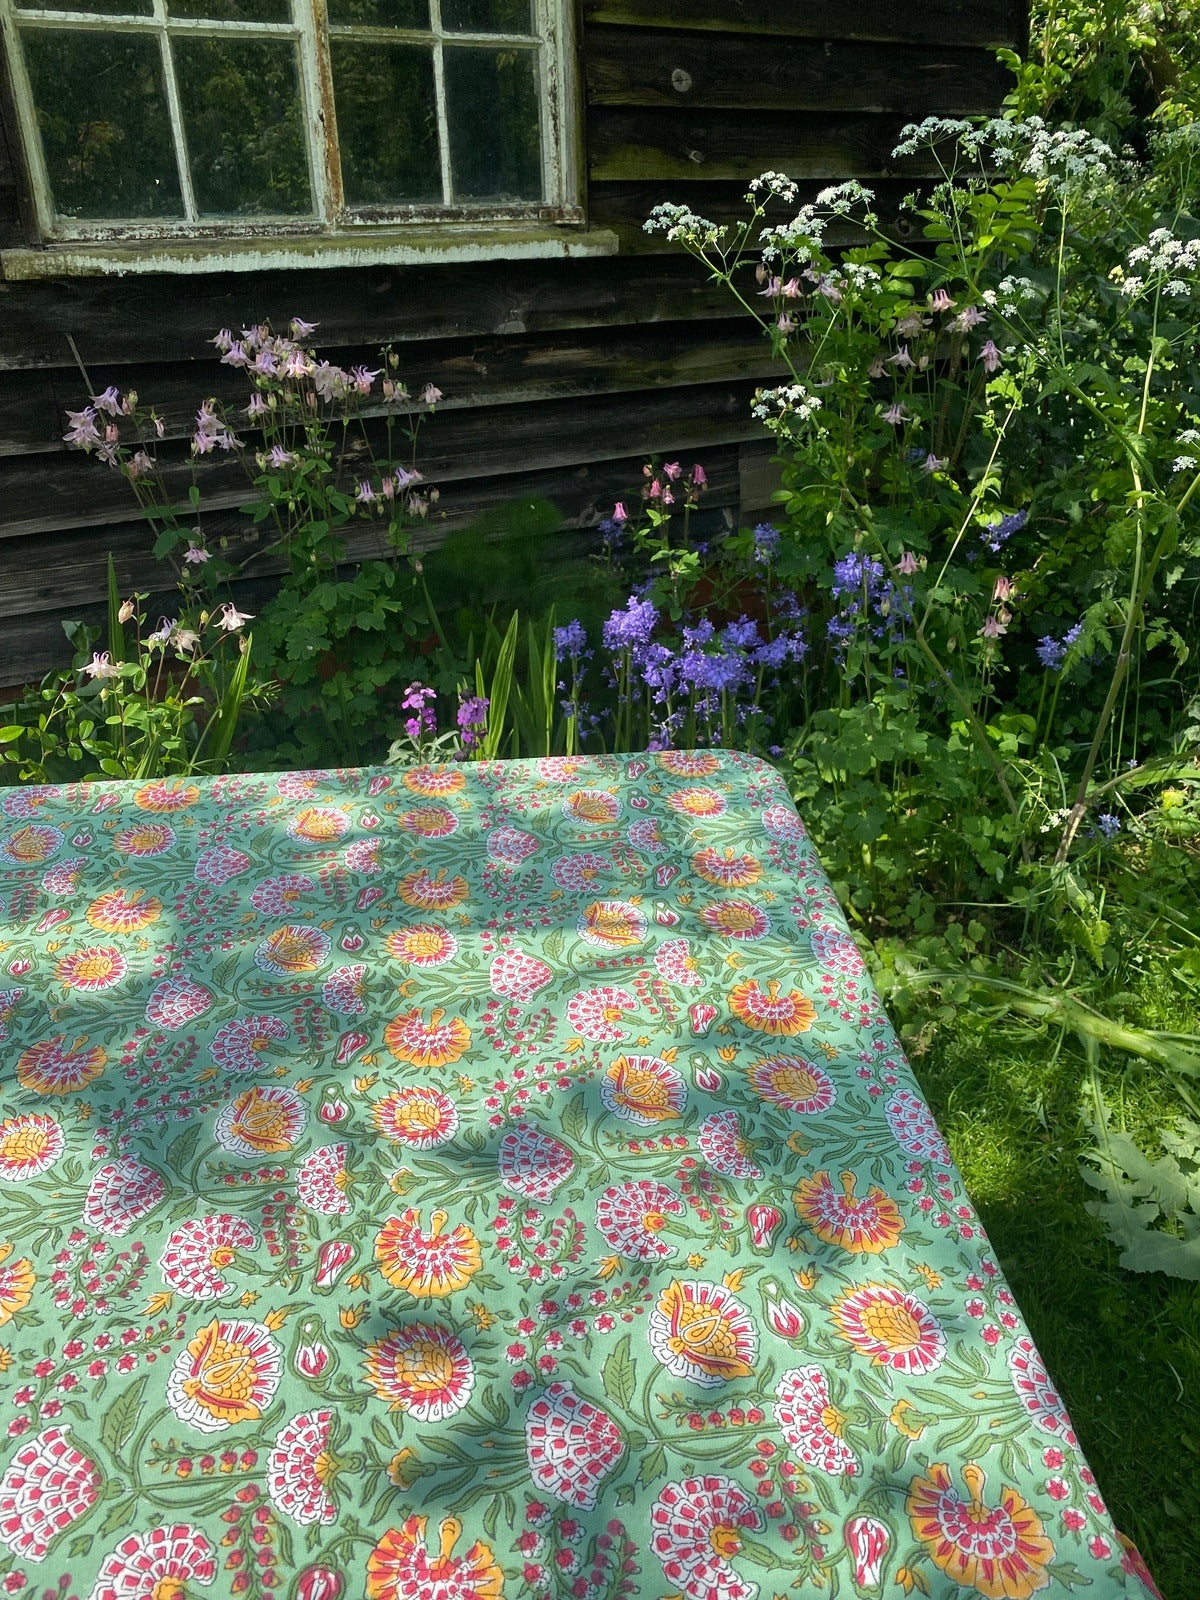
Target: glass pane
(232,10)
(381,13)
(95,8)
(103,120)
(488,16)
(242,119)
(495,127)
(387,123)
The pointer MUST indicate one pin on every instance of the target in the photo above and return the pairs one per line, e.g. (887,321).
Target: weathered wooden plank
(490,440)
(691,146)
(641,67)
(624,207)
(165,319)
(48,579)
(469,373)
(966,22)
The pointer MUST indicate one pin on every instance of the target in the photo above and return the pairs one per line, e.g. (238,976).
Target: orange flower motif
(592,805)
(124,911)
(163,795)
(433,891)
(434,780)
(16,1285)
(429,1264)
(401,1565)
(1001,1551)
(725,868)
(427,1044)
(770,1011)
(29,1145)
(146,839)
(700,1332)
(430,822)
(698,802)
(98,968)
(864,1227)
(612,923)
(53,1067)
(643,1089)
(424,945)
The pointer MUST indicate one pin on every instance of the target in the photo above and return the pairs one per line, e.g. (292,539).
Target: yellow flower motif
(362,1085)
(351,1316)
(16,1284)
(303,1085)
(910,1578)
(696,1261)
(358,1280)
(484,1319)
(999,1550)
(433,1263)
(157,1303)
(733,1280)
(806,1279)
(276,1319)
(898,1417)
(400,1472)
(796,1145)
(608,1265)
(933,1280)
(5,1358)
(247,1300)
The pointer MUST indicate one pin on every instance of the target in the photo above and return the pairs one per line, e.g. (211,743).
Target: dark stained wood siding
(559,376)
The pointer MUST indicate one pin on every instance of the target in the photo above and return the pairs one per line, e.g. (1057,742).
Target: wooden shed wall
(559,376)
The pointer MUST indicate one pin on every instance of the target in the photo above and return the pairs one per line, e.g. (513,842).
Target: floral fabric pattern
(498,1182)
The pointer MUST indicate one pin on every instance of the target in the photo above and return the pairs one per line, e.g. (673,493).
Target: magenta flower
(907,564)
(619,512)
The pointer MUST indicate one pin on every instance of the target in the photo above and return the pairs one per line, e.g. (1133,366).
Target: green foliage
(1139,1194)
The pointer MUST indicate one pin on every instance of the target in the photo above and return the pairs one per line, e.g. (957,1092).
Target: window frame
(337,233)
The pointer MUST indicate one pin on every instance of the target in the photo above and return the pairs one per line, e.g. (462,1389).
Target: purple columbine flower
(301,329)
(897,413)
(83,431)
(990,356)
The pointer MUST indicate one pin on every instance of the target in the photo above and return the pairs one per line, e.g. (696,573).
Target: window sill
(368,248)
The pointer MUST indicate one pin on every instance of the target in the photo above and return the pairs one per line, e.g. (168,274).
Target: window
(195,119)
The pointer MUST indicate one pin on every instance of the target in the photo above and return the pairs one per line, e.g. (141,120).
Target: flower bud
(764,1222)
(783,1317)
(348,1046)
(335,1255)
(701,1015)
(319,1583)
(867,1540)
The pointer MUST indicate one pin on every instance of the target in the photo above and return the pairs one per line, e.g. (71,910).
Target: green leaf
(654,1465)
(574,1118)
(617,1373)
(121,1418)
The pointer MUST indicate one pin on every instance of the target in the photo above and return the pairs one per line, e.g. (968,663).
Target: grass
(1123,1348)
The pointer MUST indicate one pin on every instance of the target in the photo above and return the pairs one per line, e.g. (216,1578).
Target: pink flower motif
(698,1526)
(517,976)
(632,1215)
(296,1479)
(837,951)
(343,991)
(867,1540)
(334,1257)
(322,1181)
(120,1194)
(675,962)
(596,1013)
(1035,1391)
(533,1163)
(176,1002)
(811,1424)
(281,895)
(46,1487)
(219,863)
(914,1129)
(198,1253)
(244,1045)
(572,1446)
(165,1560)
(578,874)
(725,1147)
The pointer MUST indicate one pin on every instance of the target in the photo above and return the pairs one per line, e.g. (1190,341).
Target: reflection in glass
(95,8)
(387,122)
(495,129)
(242,121)
(487,16)
(380,13)
(232,10)
(103,121)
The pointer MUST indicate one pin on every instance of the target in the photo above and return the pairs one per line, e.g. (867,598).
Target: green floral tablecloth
(481,1181)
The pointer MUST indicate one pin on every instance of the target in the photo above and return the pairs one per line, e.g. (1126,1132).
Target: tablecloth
(489,1180)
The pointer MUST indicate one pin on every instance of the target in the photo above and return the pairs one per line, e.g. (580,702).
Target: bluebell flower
(766,541)
(997,534)
(740,635)
(1050,652)
(571,641)
(627,629)
(1108,824)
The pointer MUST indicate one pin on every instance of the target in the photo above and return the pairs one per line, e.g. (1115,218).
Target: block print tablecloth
(488,1181)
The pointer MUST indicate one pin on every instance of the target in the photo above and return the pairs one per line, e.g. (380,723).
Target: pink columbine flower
(993,628)
(231,619)
(907,564)
(790,290)
(83,431)
(195,555)
(896,414)
(236,355)
(967,319)
(990,356)
(786,323)
(619,512)
(699,476)
(672,470)
(1004,588)
(109,402)
(138,465)
(366,495)
(361,379)
(939,300)
(932,463)
(430,395)
(222,339)
(103,666)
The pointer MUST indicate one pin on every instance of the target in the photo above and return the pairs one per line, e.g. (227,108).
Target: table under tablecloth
(488,1180)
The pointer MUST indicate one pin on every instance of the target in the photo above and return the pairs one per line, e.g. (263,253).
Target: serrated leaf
(574,1120)
(617,1373)
(121,1419)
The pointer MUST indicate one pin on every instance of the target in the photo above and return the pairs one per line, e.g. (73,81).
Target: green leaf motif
(617,1373)
(121,1419)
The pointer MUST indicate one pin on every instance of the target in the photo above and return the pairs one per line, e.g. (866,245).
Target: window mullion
(175,112)
(439,91)
(324,158)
